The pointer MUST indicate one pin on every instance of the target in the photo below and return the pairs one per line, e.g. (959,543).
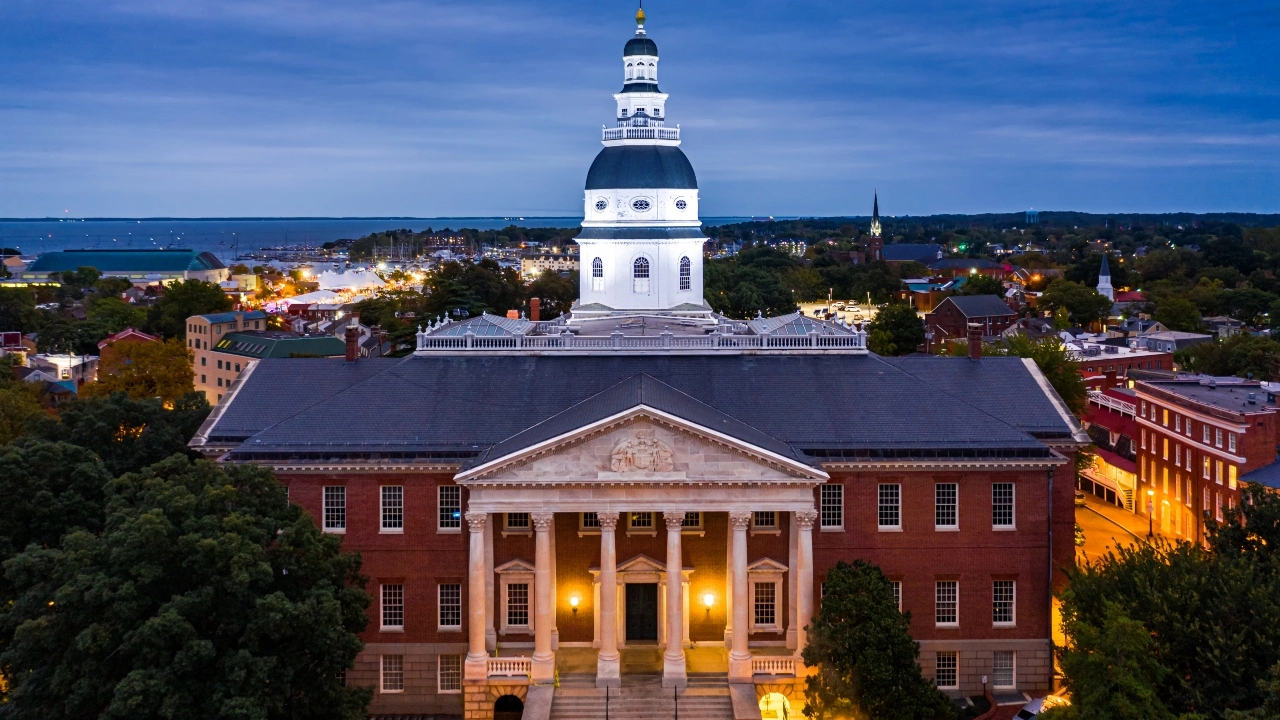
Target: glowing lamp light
(573,602)
(708,599)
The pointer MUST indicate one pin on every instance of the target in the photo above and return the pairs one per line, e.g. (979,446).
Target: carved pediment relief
(641,452)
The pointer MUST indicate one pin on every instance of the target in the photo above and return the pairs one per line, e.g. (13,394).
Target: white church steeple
(1104,280)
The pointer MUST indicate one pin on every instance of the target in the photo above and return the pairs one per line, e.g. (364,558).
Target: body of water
(225,237)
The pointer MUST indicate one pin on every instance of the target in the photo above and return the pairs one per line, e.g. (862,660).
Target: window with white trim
(590,521)
(392,673)
(640,520)
(897,593)
(692,520)
(640,275)
(889,506)
(335,508)
(1231,442)
(518,605)
(764,520)
(450,606)
(1217,437)
(393,607)
(597,275)
(450,507)
(764,602)
(392,508)
(686,274)
(1217,468)
(1002,505)
(1003,602)
(946,670)
(1206,467)
(1177,423)
(946,514)
(1231,477)
(1003,668)
(518,522)
(1205,432)
(449,674)
(831,497)
(946,603)
(1217,507)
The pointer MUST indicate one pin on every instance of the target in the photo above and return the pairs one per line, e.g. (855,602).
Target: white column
(555,591)
(477,665)
(608,663)
(544,660)
(792,544)
(804,577)
(739,656)
(490,634)
(728,588)
(673,661)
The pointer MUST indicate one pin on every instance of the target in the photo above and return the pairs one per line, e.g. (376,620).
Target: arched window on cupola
(597,275)
(686,273)
(630,71)
(640,275)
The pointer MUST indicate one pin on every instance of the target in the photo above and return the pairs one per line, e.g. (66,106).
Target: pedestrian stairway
(642,697)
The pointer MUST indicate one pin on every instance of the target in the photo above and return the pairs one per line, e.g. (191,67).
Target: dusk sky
(195,108)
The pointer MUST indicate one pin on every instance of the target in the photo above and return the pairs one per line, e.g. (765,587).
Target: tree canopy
(896,330)
(1083,303)
(144,370)
(206,595)
(181,300)
(864,659)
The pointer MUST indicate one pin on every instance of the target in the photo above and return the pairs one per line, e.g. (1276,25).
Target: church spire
(1104,280)
(875,215)
(640,19)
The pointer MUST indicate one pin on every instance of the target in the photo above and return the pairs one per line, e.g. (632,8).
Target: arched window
(630,71)
(640,275)
(686,274)
(597,275)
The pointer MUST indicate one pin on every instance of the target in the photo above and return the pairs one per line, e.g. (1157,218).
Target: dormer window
(657,112)
(624,112)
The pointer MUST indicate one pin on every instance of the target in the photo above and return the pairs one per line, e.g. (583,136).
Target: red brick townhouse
(1198,438)
(951,319)
(610,515)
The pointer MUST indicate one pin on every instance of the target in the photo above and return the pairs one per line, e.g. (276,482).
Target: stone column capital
(541,520)
(608,520)
(476,520)
(806,518)
(740,520)
(674,520)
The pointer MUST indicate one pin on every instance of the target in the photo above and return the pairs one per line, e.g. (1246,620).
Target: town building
(223,344)
(1116,361)
(908,252)
(1111,421)
(875,245)
(1197,438)
(952,318)
(951,267)
(1171,340)
(126,335)
(531,266)
(649,495)
(143,267)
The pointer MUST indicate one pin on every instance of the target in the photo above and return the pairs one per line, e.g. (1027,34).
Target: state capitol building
(644,495)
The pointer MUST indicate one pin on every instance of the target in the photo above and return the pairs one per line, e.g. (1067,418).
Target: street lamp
(1151,513)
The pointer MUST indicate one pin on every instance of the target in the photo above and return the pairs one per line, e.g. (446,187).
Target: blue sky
(487,107)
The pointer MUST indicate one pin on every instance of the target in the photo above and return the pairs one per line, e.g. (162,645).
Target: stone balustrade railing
(854,343)
(773,666)
(510,666)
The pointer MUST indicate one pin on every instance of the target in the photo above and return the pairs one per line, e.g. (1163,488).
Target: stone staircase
(642,697)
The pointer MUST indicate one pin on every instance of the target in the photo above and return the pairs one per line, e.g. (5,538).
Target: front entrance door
(642,612)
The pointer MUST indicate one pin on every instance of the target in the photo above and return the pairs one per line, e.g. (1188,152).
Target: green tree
(1241,355)
(19,402)
(1178,313)
(1082,303)
(181,300)
(50,489)
(1053,359)
(207,595)
(556,293)
(144,370)
(977,284)
(126,434)
(18,310)
(115,314)
(864,659)
(1110,671)
(896,330)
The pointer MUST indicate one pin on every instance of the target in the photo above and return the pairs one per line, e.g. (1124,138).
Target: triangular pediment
(642,563)
(515,566)
(765,565)
(641,430)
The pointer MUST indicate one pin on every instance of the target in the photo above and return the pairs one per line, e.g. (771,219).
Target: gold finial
(640,16)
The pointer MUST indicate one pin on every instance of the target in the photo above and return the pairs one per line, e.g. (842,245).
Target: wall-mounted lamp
(573,603)
(708,599)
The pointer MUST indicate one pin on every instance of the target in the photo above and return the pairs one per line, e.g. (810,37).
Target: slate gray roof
(138,261)
(1268,475)
(641,166)
(636,390)
(460,406)
(907,252)
(640,45)
(980,305)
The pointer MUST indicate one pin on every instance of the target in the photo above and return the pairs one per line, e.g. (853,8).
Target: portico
(647,471)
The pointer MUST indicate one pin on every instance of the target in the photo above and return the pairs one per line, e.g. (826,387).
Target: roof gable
(980,305)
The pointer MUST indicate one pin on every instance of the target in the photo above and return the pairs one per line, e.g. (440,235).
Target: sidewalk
(1107,527)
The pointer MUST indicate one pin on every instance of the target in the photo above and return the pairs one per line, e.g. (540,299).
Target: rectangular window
(450,507)
(1144,438)
(449,674)
(219,364)
(641,520)
(237,367)
(1217,471)
(1165,454)
(393,508)
(392,673)
(766,520)
(1002,602)
(890,507)
(832,496)
(1217,507)
(1002,668)
(335,508)
(1177,423)
(1002,515)
(518,521)
(1205,499)
(1177,455)
(1231,442)
(1206,468)
(1231,477)
(1217,437)
(590,521)
(518,605)
(765,604)
(450,606)
(393,607)
(1166,417)
(946,674)
(219,382)
(897,593)
(1205,432)
(1144,408)
(1188,431)
(692,520)
(945,511)
(946,601)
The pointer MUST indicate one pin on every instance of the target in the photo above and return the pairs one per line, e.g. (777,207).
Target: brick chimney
(535,309)
(975,341)
(353,340)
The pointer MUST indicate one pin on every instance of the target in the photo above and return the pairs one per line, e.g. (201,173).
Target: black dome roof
(640,46)
(641,166)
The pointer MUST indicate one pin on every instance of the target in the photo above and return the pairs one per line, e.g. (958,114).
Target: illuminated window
(1165,417)
(450,514)
(1231,476)
(1217,474)
(641,520)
